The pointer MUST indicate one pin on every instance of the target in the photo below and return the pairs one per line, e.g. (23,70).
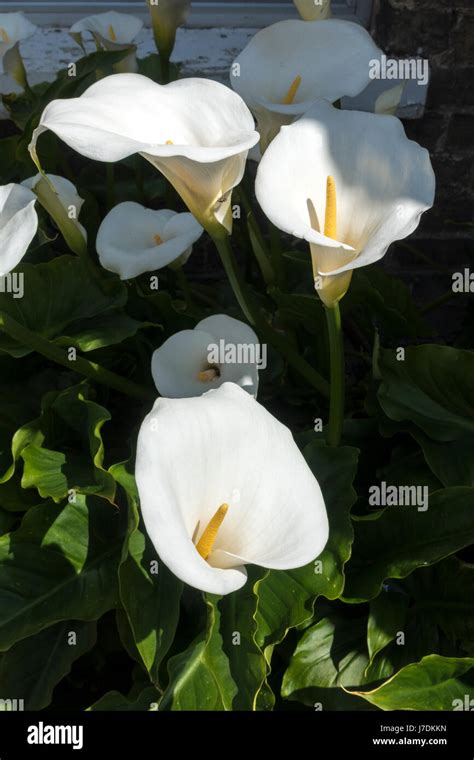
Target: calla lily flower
(222,484)
(133,239)
(111,31)
(195,131)
(67,196)
(14,27)
(350,184)
(286,67)
(313,10)
(389,100)
(220,349)
(18,225)
(166,17)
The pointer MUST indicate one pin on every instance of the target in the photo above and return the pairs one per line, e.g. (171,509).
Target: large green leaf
(385,302)
(386,618)
(61,564)
(32,668)
(392,543)
(330,654)
(451,461)
(59,294)
(434,683)
(114,701)
(432,387)
(150,593)
(62,449)
(286,598)
(246,659)
(443,596)
(200,677)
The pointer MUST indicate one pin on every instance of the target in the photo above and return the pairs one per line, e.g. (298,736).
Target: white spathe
(195,131)
(312,10)
(196,454)
(111,31)
(18,225)
(384,182)
(14,27)
(166,17)
(67,195)
(133,239)
(321,59)
(110,28)
(184,365)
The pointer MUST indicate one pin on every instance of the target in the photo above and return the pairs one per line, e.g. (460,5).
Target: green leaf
(300,309)
(200,677)
(60,564)
(443,595)
(246,659)
(385,301)
(451,461)
(68,421)
(434,683)
(113,701)
(432,387)
(105,330)
(57,295)
(330,654)
(150,593)
(386,618)
(286,598)
(392,543)
(31,669)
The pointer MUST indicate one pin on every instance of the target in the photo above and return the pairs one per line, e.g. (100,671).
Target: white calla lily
(220,349)
(18,225)
(379,185)
(111,31)
(133,239)
(67,196)
(222,484)
(166,17)
(195,131)
(313,10)
(286,67)
(14,27)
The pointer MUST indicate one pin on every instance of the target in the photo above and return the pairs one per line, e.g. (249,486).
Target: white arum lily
(18,225)
(66,194)
(286,67)
(195,131)
(133,239)
(312,10)
(166,17)
(220,349)
(350,184)
(111,31)
(14,27)
(222,484)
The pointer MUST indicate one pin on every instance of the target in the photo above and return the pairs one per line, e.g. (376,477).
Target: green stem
(255,317)
(82,366)
(336,350)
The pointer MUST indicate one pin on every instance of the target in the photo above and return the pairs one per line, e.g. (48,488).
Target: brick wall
(443,32)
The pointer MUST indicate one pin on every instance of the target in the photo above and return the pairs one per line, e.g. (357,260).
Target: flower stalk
(82,366)
(336,353)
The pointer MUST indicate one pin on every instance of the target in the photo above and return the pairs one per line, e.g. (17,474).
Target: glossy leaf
(200,677)
(60,564)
